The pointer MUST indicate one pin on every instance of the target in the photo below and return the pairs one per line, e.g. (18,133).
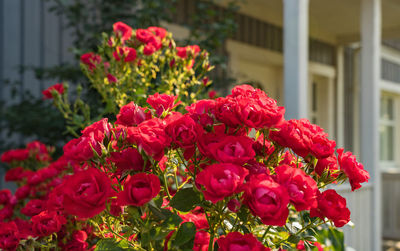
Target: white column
(370,95)
(295,47)
(340,97)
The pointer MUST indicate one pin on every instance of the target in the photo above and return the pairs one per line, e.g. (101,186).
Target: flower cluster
(230,172)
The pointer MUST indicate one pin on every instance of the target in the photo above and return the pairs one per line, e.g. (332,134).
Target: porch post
(370,96)
(295,47)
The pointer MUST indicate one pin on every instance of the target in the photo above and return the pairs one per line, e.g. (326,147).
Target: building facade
(336,63)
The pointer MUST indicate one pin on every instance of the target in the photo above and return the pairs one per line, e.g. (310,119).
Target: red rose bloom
(9,236)
(122,30)
(127,159)
(330,164)
(91,60)
(47,223)
(332,206)
(302,189)
(149,136)
(162,102)
(226,112)
(132,115)
(48,93)
(111,78)
(267,199)
(144,35)
(139,189)
(202,112)
(221,180)
(233,149)
(236,241)
(301,246)
(127,53)
(78,242)
(98,130)
(15,174)
(81,149)
(86,193)
(353,169)
(14,155)
(158,31)
(22,192)
(201,241)
(34,207)
(183,132)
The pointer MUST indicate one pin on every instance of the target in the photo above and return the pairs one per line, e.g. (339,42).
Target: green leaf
(172,221)
(186,232)
(185,200)
(111,245)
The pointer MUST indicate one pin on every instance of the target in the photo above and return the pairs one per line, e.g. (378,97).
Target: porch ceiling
(335,21)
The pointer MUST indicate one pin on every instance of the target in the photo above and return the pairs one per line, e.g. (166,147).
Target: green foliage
(185,199)
(111,245)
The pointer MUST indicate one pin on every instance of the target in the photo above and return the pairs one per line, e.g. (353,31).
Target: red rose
(353,169)
(132,115)
(233,149)
(158,31)
(91,60)
(6,198)
(263,147)
(127,159)
(149,136)
(327,164)
(39,150)
(14,155)
(139,189)
(81,149)
(48,93)
(6,212)
(226,110)
(183,52)
(111,78)
(304,138)
(144,35)
(86,193)
(236,241)
(122,30)
(127,53)
(332,206)
(98,130)
(47,223)
(267,199)
(9,236)
(221,180)
(234,205)
(78,242)
(255,168)
(201,241)
(301,246)
(22,192)
(162,102)
(34,207)
(24,228)
(149,49)
(302,189)
(14,174)
(55,202)
(202,112)
(183,132)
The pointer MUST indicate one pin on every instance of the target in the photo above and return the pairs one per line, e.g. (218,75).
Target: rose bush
(228,173)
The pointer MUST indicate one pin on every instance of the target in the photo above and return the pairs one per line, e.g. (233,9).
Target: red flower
(144,35)
(353,169)
(221,180)
(132,115)
(48,93)
(14,174)
(81,149)
(149,136)
(236,241)
(98,130)
(34,207)
(233,149)
(183,132)
(300,246)
(22,192)
(162,102)
(111,78)
(327,164)
(153,45)
(302,189)
(267,199)
(158,31)
(122,30)
(91,60)
(9,236)
(202,112)
(139,189)
(14,155)
(127,159)
(201,241)
(86,193)
(47,223)
(127,53)
(332,206)
(183,52)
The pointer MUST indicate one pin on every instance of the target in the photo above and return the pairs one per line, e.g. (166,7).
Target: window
(387,129)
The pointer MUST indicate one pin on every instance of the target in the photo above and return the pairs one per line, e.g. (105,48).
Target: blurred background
(335,62)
